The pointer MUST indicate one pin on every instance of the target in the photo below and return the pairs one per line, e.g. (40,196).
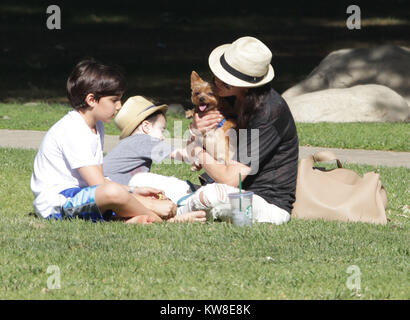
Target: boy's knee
(113,193)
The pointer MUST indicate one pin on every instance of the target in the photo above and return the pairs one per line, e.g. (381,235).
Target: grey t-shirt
(134,154)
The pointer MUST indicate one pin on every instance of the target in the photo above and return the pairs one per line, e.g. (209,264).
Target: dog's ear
(194,78)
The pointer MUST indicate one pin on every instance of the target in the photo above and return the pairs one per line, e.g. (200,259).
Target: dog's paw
(189,113)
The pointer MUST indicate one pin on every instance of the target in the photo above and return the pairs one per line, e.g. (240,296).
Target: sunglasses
(227,86)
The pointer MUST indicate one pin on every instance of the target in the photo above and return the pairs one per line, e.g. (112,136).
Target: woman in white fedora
(242,76)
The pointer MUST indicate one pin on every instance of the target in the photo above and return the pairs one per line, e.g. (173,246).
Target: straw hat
(135,110)
(242,63)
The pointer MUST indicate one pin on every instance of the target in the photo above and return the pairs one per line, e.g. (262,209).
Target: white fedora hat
(135,110)
(242,63)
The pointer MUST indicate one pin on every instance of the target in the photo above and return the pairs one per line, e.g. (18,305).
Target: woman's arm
(222,173)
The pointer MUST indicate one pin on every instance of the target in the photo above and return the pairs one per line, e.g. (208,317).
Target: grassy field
(370,136)
(157,48)
(299,260)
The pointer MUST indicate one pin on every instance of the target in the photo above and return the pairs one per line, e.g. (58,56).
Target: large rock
(176,108)
(363,103)
(387,65)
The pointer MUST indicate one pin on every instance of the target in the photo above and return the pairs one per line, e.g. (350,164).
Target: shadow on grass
(160,44)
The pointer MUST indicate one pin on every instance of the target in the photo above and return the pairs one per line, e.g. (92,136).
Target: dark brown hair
(152,118)
(252,102)
(90,76)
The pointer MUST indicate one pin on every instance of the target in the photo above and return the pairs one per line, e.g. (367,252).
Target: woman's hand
(207,122)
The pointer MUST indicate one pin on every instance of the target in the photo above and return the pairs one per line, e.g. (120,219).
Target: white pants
(215,196)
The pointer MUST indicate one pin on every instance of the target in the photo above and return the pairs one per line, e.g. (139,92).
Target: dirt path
(32,140)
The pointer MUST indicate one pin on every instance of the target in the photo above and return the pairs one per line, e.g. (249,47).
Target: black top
(272,154)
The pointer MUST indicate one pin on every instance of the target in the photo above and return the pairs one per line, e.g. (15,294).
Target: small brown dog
(216,142)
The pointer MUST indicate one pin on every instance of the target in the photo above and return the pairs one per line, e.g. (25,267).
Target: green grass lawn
(299,260)
(370,136)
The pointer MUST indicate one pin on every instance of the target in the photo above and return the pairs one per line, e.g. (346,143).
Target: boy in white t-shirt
(68,179)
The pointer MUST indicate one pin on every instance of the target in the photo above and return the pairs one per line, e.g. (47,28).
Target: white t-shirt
(68,145)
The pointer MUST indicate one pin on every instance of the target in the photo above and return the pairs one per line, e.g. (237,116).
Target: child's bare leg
(112,196)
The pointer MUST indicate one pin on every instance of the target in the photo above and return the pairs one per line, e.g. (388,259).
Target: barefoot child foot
(144,219)
(194,216)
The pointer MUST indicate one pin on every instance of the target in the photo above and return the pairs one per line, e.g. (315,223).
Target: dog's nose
(201,99)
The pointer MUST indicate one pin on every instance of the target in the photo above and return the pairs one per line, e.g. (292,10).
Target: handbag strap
(323,156)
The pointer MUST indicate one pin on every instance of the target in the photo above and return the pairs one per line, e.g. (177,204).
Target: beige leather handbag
(338,194)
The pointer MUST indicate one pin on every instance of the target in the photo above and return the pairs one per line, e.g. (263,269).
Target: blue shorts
(81,204)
